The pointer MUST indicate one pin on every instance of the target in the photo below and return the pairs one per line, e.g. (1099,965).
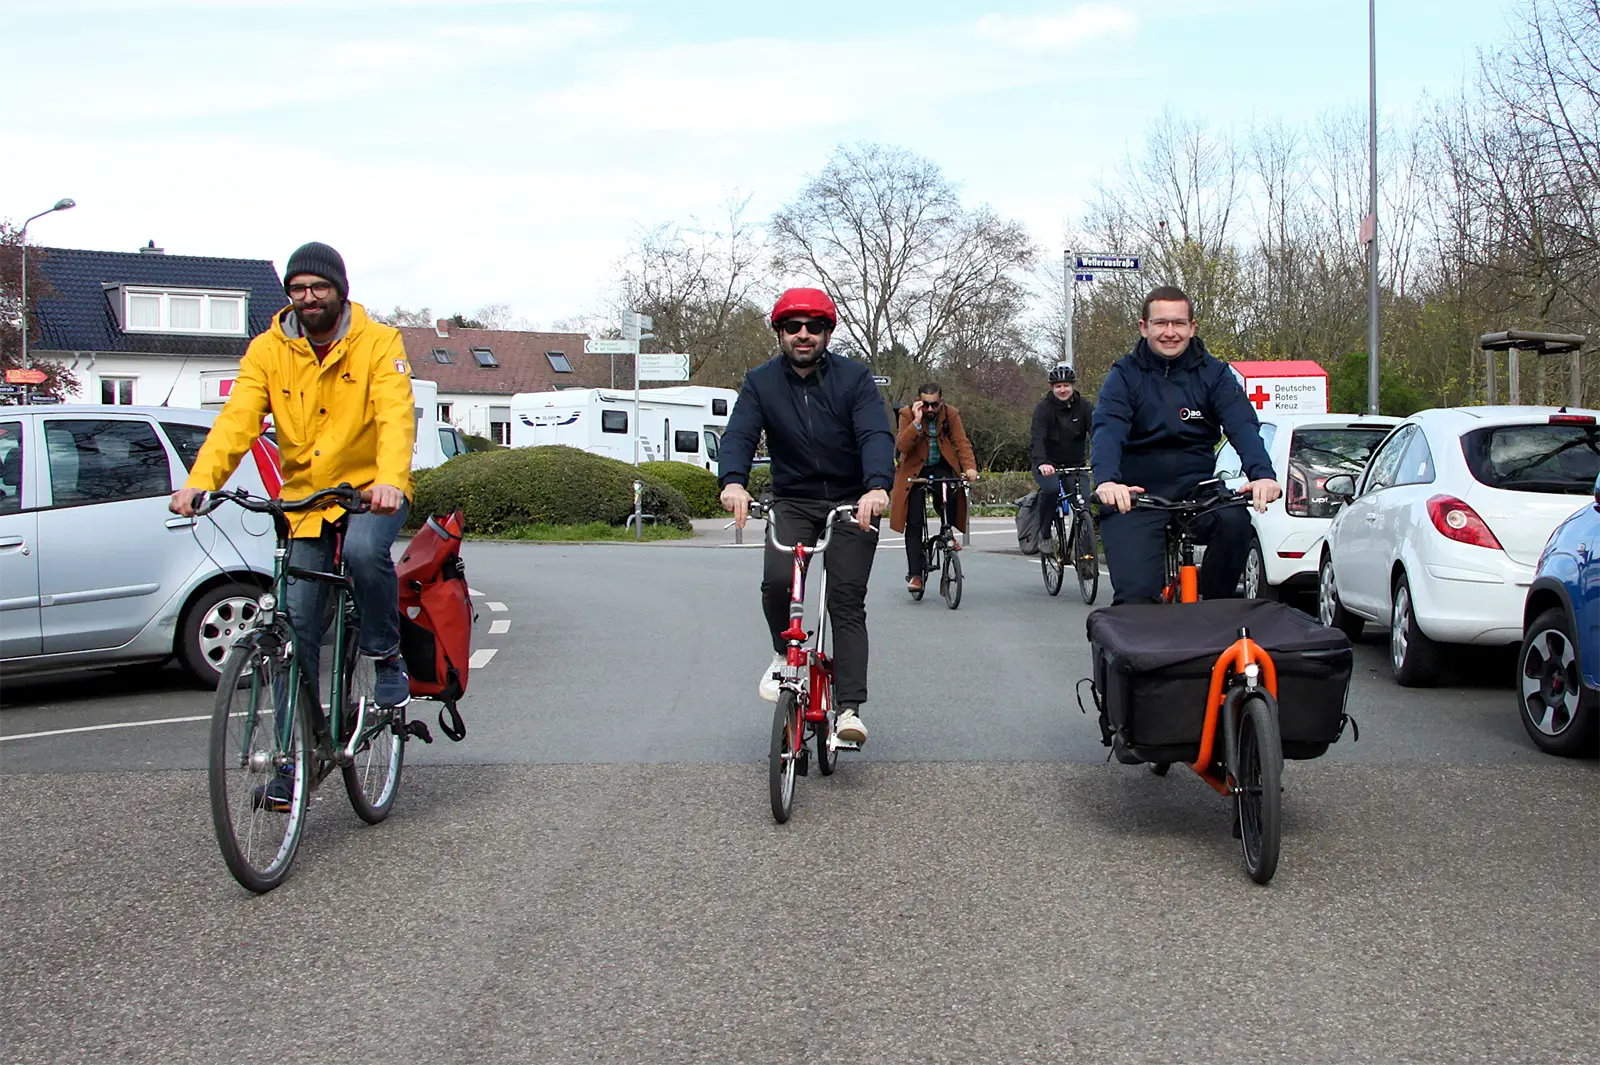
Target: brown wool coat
(912,447)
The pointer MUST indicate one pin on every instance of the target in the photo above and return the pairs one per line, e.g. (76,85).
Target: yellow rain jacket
(348,419)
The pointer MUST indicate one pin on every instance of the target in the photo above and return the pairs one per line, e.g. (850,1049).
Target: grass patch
(594,530)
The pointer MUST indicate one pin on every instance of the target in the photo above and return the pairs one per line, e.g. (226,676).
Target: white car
(1442,532)
(1306,450)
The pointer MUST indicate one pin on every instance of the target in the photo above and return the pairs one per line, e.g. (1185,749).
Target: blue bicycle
(1072,538)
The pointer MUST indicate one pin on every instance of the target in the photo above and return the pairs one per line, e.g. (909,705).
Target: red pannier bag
(436,617)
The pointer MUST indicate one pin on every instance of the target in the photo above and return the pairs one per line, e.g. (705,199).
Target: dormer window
(442,355)
(485,358)
(206,312)
(558,361)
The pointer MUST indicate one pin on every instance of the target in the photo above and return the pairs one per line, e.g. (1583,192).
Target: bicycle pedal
(417,730)
(837,744)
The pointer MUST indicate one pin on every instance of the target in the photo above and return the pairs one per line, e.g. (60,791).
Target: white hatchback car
(1306,450)
(1442,532)
(94,570)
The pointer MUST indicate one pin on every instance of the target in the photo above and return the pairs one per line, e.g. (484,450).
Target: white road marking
(480,658)
(473,591)
(498,608)
(100,728)
(497,627)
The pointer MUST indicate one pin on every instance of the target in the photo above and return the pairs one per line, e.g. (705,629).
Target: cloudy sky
(465,152)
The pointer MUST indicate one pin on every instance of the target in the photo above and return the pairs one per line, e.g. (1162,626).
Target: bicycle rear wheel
(783,757)
(372,778)
(950,580)
(1052,557)
(1086,558)
(258,771)
(1259,780)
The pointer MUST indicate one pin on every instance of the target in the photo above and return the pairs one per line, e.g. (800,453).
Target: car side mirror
(1341,487)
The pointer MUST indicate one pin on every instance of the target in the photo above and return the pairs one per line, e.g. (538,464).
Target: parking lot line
(480,658)
(99,728)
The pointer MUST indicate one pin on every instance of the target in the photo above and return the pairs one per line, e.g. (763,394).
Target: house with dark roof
(150,328)
(479,370)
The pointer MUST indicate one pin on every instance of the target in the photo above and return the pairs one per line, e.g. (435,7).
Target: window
(1562,458)
(443,355)
(713,445)
(613,421)
(686,441)
(450,443)
(443,411)
(1228,461)
(1386,463)
(148,310)
(186,440)
(116,390)
(558,361)
(485,358)
(719,408)
(104,461)
(1416,465)
(10,467)
(500,425)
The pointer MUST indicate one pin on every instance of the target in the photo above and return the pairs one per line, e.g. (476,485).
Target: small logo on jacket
(1189,414)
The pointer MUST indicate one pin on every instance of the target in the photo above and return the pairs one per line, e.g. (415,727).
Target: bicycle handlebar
(761,510)
(962,481)
(1219,501)
(356,501)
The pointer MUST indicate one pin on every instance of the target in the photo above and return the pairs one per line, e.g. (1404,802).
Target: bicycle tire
(783,755)
(372,778)
(1259,799)
(1086,558)
(950,581)
(916,593)
(255,734)
(1052,558)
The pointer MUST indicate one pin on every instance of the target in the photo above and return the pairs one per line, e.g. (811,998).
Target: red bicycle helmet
(798,302)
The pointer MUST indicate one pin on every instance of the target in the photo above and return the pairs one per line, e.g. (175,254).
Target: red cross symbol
(1259,397)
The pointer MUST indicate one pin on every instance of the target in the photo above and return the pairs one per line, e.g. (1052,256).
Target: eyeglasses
(814,326)
(319,290)
(1167,323)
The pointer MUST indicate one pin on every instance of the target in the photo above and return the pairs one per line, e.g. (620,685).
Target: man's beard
(803,360)
(321,317)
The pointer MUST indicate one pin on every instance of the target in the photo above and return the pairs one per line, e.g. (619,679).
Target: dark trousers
(917,513)
(1050,495)
(1136,552)
(848,563)
(367,542)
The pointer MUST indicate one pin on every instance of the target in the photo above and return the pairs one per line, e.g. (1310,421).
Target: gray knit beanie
(319,259)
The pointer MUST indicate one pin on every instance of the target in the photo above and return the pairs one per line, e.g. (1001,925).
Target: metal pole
(27,389)
(1513,378)
(1372,249)
(638,508)
(1493,392)
(1577,380)
(1067,273)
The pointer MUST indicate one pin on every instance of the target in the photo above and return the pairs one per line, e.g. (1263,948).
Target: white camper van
(683,423)
(436,441)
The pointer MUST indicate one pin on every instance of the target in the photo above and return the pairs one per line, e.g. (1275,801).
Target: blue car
(1558,670)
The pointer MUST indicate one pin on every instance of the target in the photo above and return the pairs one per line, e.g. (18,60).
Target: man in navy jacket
(829,438)
(1157,421)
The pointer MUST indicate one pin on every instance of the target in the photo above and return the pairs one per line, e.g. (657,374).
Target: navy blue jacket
(827,433)
(1157,421)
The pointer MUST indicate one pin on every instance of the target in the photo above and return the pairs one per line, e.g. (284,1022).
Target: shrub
(760,480)
(479,443)
(993,488)
(698,485)
(509,487)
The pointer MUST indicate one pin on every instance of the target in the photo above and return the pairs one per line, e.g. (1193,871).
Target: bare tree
(401,317)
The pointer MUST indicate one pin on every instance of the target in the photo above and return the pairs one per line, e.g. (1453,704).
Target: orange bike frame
(1244,652)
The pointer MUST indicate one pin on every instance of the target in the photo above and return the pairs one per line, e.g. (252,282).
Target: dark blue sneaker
(393,685)
(277,794)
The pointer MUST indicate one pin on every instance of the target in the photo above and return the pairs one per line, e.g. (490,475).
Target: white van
(682,423)
(436,441)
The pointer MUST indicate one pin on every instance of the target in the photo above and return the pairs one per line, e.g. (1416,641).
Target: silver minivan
(94,570)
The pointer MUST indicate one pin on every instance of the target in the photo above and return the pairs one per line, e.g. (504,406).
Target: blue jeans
(367,542)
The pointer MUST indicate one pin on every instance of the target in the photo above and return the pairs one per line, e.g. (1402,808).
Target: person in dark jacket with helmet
(1058,440)
(829,438)
(1161,412)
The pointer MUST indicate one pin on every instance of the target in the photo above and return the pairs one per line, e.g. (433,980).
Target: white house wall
(469,411)
(156,378)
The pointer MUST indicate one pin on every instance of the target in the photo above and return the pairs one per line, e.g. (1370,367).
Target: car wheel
(1560,716)
(1329,610)
(1255,574)
(1414,658)
(211,624)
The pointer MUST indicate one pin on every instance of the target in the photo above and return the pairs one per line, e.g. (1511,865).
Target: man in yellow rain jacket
(339,391)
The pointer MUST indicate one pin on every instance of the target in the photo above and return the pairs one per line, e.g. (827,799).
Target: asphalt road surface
(594,876)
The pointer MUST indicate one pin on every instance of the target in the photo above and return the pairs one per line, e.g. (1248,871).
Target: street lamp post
(61,205)
(1372,234)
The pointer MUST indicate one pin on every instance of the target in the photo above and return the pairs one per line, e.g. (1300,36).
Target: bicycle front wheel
(1086,559)
(783,757)
(258,771)
(1053,556)
(1259,799)
(372,777)
(950,580)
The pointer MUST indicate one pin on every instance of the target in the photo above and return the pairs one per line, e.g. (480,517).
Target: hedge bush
(698,485)
(511,487)
(479,443)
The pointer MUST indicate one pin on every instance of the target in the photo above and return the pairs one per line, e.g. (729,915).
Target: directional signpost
(611,347)
(1077,268)
(655,367)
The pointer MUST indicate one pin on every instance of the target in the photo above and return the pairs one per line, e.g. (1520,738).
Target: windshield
(1328,452)
(1559,459)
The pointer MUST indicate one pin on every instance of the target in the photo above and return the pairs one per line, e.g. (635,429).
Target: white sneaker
(771,676)
(851,729)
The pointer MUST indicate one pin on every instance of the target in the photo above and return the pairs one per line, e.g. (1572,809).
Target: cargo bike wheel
(1258,784)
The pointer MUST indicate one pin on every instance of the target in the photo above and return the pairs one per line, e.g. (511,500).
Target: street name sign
(1108,261)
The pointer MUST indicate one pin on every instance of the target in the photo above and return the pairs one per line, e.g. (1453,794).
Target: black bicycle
(1073,541)
(941,550)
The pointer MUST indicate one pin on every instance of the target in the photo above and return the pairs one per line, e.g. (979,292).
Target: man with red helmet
(828,434)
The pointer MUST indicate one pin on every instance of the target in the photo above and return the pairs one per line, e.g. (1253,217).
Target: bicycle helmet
(805,302)
(1062,372)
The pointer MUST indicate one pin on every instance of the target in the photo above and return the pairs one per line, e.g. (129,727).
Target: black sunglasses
(814,326)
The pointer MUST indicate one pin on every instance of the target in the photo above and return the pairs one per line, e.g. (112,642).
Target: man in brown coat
(931,443)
